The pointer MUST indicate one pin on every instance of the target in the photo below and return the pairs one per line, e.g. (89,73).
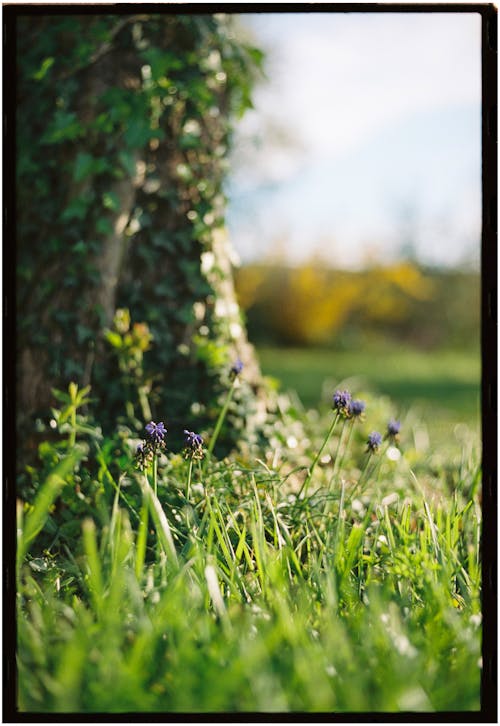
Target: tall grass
(236,594)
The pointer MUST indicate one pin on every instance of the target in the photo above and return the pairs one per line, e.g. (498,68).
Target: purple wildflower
(193,445)
(156,432)
(393,429)
(341,402)
(236,368)
(374,441)
(356,408)
(152,444)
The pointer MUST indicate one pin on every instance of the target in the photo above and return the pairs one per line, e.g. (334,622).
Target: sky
(364,142)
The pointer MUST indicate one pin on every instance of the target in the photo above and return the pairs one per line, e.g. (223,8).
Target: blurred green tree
(123,124)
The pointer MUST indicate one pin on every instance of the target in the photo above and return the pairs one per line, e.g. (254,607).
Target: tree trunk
(123,128)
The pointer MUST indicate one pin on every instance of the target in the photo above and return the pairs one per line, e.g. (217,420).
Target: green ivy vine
(123,127)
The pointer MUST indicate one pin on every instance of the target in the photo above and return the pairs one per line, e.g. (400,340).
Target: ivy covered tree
(124,271)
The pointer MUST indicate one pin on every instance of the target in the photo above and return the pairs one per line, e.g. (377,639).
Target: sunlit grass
(235,594)
(442,387)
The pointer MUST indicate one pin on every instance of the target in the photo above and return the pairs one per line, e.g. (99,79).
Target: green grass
(361,595)
(441,387)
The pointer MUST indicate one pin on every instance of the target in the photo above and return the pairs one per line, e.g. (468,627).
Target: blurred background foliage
(313,305)
(401,330)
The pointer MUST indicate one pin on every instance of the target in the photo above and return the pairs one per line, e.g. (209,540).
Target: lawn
(330,572)
(441,387)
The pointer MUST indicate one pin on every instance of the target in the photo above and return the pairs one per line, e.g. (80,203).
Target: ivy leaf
(65,127)
(103,226)
(44,68)
(161,62)
(110,201)
(87,165)
(139,133)
(79,248)
(103,123)
(83,333)
(76,209)
(127,160)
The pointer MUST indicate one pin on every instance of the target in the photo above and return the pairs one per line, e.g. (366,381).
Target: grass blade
(141,541)
(49,491)
(95,581)
(160,521)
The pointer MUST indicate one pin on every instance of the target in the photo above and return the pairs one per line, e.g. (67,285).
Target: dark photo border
(489,391)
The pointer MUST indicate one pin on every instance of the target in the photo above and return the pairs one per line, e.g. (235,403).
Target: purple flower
(393,428)
(236,368)
(341,402)
(156,432)
(374,441)
(193,439)
(152,444)
(356,408)
(193,445)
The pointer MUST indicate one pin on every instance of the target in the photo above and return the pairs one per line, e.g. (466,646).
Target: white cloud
(385,112)
(337,77)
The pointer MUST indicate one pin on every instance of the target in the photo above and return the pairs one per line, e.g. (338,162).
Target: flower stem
(375,468)
(346,447)
(72,433)
(305,485)
(339,446)
(220,420)
(378,466)
(155,475)
(363,474)
(339,458)
(190,471)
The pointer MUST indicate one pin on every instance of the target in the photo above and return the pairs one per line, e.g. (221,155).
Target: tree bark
(158,247)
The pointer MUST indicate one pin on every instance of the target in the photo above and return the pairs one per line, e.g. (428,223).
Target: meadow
(441,387)
(338,571)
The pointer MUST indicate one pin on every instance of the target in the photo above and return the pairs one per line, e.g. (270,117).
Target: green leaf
(86,165)
(138,133)
(141,541)
(110,201)
(60,395)
(77,208)
(160,520)
(103,123)
(46,496)
(65,126)
(161,62)
(73,390)
(127,160)
(82,398)
(79,248)
(103,226)
(44,68)
(95,580)
(114,339)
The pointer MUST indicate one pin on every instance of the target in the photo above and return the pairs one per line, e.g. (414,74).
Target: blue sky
(365,137)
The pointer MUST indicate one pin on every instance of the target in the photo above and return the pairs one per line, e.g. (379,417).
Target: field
(441,388)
